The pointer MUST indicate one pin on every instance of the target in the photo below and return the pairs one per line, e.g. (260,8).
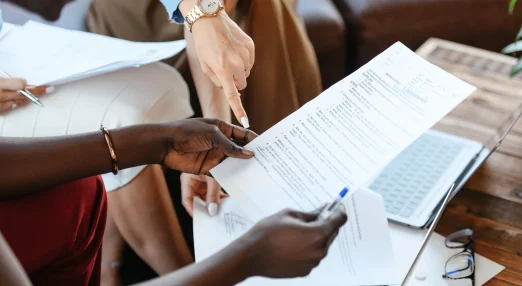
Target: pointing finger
(234,100)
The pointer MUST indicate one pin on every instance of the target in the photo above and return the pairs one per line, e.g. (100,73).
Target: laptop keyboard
(410,177)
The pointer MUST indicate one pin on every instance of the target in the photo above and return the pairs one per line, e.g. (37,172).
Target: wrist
(246,255)
(140,145)
(250,244)
(194,17)
(186,5)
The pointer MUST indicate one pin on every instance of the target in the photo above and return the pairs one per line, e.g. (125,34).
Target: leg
(143,213)
(111,255)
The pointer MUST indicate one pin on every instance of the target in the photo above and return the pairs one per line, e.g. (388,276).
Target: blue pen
(332,207)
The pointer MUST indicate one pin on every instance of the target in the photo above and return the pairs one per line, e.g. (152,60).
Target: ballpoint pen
(332,207)
(25,92)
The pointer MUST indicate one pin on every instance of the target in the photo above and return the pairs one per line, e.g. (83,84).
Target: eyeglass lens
(460,265)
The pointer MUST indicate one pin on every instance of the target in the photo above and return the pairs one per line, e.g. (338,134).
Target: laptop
(416,181)
(469,170)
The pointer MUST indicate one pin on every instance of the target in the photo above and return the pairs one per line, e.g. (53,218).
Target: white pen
(332,207)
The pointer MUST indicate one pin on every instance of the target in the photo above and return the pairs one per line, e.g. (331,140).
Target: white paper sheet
(45,54)
(6,28)
(362,248)
(344,137)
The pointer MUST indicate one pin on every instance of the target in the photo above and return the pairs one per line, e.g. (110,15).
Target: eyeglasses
(461,265)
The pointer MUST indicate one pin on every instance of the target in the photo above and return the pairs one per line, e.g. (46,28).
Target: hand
(203,187)
(197,145)
(10,98)
(226,55)
(290,243)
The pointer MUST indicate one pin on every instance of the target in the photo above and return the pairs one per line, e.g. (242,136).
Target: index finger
(338,219)
(13,84)
(40,90)
(332,223)
(234,99)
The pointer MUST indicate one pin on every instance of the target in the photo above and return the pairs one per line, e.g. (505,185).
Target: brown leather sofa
(373,25)
(326,30)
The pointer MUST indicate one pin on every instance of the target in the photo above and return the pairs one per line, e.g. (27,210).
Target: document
(54,55)
(6,27)
(344,137)
(362,249)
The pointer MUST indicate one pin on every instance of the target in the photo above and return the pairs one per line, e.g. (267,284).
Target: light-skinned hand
(226,55)
(204,187)
(11,99)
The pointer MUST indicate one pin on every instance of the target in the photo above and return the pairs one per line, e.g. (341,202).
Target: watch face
(209,6)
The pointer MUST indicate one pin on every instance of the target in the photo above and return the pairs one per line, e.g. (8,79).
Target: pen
(332,207)
(25,92)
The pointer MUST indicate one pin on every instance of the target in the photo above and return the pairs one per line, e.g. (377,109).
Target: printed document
(344,137)
(362,248)
(61,55)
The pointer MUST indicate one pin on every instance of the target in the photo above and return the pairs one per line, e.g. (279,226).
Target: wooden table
(491,202)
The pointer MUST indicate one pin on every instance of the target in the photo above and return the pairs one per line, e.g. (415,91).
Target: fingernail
(342,208)
(244,122)
(247,152)
(49,89)
(212,209)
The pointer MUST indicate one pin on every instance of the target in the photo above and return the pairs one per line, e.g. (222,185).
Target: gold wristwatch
(204,8)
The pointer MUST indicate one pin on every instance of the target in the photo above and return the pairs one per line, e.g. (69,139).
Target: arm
(11,272)
(287,244)
(193,146)
(227,267)
(213,102)
(226,54)
(30,164)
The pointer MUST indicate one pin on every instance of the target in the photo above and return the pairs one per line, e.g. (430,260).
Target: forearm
(211,98)
(11,272)
(227,267)
(32,164)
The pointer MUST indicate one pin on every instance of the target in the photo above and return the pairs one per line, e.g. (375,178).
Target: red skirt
(57,233)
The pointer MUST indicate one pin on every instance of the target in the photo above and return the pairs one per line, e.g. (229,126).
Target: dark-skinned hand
(291,243)
(197,145)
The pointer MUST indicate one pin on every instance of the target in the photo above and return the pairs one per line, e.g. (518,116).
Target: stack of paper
(344,137)
(47,55)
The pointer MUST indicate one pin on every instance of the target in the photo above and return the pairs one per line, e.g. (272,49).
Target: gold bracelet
(108,139)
